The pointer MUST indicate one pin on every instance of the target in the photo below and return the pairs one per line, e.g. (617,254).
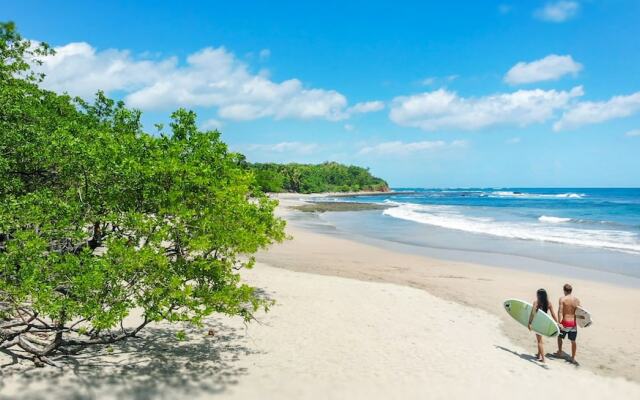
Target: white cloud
(264,54)
(366,107)
(406,148)
(79,69)
(211,124)
(286,147)
(432,80)
(593,112)
(552,67)
(211,77)
(514,140)
(428,81)
(558,11)
(349,127)
(505,8)
(442,109)
(633,133)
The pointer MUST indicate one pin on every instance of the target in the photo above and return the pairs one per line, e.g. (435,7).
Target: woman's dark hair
(543,300)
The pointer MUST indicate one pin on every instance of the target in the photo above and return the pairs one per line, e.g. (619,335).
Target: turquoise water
(587,233)
(598,218)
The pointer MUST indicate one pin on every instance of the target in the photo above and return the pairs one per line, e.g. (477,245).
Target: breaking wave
(547,229)
(553,220)
(537,195)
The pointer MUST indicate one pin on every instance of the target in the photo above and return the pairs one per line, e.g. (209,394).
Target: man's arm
(553,315)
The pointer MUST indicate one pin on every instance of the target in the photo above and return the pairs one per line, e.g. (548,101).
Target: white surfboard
(542,322)
(583,317)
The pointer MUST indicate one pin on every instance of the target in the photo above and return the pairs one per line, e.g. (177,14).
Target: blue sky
(432,94)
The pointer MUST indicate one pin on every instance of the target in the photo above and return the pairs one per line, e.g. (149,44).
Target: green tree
(325,177)
(269,181)
(98,218)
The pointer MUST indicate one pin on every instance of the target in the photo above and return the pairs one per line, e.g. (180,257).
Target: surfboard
(542,322)
(583,317)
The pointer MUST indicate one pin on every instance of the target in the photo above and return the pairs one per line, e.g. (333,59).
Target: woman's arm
(553,315)
(533,313)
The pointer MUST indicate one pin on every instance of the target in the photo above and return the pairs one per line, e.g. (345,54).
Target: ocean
(596,229)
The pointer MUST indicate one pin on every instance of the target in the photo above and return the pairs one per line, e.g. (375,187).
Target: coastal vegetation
(99,218)
(307,178)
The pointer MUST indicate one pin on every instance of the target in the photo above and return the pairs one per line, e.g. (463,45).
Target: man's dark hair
(567,288)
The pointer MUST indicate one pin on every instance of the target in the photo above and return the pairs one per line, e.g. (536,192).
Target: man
(567,317)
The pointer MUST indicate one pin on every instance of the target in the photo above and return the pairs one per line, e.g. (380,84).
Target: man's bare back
(567,309)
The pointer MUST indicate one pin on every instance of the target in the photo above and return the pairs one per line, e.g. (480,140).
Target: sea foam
(553,220)
(452,217)
(500,193)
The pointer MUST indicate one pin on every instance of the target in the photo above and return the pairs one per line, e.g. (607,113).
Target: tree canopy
(98,217)
(325,177)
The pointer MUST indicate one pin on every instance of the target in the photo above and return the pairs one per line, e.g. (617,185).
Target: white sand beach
(340,338)
(327,338)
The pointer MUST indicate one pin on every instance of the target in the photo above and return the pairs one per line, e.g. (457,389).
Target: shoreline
(607,348)
(436,241)
(492,256)
(358,321)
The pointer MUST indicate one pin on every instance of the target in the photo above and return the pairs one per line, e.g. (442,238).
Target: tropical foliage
(325,177)
(98,217)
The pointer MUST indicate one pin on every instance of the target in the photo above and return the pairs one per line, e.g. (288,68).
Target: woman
(541,303)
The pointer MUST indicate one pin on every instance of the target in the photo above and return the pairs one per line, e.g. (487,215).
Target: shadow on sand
(564,357)
(527,357)
(154,366)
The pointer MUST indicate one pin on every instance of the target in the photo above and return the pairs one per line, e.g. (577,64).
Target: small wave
(450,217)
(584,222)
(537,195)
(502,193)
(553,220)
